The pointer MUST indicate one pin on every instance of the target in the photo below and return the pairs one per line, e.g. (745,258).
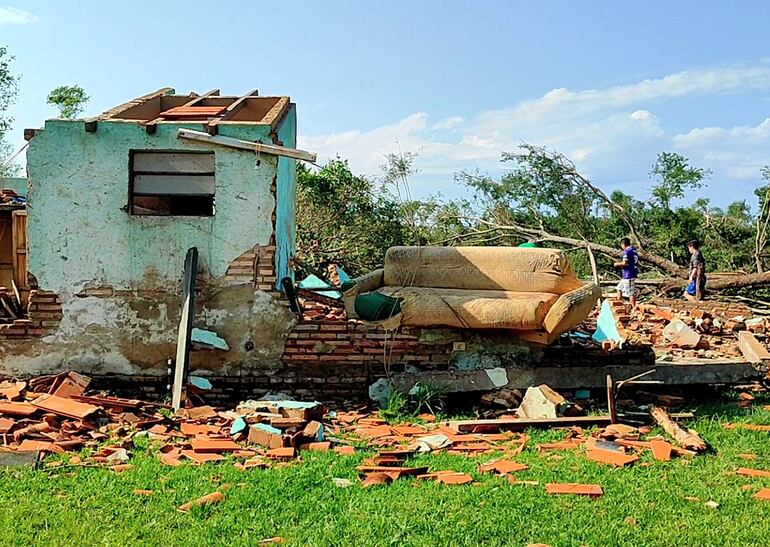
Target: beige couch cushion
(480,268)
(474,309)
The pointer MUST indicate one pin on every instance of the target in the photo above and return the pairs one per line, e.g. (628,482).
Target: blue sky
(610,84)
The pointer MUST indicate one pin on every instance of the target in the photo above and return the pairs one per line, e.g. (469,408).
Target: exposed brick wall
(45,314)
(353,342)
(714,307)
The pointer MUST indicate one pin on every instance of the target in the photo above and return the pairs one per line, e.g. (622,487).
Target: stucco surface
(80,181)
(81,237)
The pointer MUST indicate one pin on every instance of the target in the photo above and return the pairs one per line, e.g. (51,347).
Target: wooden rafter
(151,126)
(230,111)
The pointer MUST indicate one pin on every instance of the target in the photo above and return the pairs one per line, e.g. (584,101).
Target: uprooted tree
(545,198)
(351,220)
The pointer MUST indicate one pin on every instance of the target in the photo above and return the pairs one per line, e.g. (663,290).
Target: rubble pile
(55,414)
(10,197)
(688,332)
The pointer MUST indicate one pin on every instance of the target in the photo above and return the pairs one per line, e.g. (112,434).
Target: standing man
(697,281)
(629,268)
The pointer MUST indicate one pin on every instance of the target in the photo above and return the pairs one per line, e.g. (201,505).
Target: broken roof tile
(64,407)
(616,459)
(204,445)
(592,490)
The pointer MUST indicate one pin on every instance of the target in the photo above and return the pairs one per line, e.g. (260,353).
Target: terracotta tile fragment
(322,446)
(375,479)
(29,445)
(191,430)
(64,407)
(373,432)
(16,409)
(213,445)
(592,490)
(502,467)
(202,457)
(282,453)
(661,450)
(612,458)
(345,450)
(747,456)
(119,468)
(170,459)
(454,478)
(140,492)
(763,494)
(214,497)
(746,472)
(407,430)
(427,417)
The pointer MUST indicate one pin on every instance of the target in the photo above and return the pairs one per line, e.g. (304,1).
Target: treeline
(351,220)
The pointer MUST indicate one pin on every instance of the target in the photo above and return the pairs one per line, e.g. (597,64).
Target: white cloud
(14,16)
(449,123)
(612,133)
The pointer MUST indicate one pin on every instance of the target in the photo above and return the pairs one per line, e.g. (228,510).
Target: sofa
(532,292)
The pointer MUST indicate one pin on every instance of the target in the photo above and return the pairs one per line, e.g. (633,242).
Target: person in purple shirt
(629,269)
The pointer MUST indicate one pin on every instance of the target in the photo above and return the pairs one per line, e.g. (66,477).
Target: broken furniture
(532,292)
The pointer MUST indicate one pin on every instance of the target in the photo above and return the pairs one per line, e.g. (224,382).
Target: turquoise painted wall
(17,184)
(286,200)
(79,230)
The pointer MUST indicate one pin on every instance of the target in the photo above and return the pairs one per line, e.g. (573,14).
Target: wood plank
(172,162)
(232,109)
(174,184)
(230,142)
(753,350)
(19,242)
(182,362)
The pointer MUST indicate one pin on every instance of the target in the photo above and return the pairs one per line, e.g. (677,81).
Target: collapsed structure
(92,274)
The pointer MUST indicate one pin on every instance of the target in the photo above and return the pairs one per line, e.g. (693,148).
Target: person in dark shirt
(697,282)
(629,269)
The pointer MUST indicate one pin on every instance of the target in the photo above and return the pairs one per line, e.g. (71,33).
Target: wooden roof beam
(236,105)
(152,125)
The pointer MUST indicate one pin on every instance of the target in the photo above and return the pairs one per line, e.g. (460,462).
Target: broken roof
(164,105)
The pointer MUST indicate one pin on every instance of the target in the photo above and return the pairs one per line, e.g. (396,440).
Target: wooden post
(182,363)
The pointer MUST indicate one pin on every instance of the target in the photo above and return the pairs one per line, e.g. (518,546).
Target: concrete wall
(286,192)
(118,276)
(17,184)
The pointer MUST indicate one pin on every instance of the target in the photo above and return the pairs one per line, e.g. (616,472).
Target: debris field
(55,415)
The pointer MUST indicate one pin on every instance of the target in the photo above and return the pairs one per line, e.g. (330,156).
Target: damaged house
(92,261)
(115,201)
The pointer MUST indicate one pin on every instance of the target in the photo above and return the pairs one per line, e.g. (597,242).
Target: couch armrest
(571,309)
(366,283)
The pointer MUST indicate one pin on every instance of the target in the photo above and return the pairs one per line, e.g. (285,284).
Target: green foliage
(345,219)
(396,408)
(8,92)
(424,397)
(675,176)
(69,99)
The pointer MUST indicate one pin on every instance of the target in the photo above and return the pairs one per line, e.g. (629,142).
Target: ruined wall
(117,277)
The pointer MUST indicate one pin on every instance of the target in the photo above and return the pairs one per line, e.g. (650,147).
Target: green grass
(642,505)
